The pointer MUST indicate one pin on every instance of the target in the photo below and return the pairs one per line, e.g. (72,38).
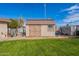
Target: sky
(61,13)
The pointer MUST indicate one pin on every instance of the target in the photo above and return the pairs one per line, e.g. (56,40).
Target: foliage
(13,23)
(21,22)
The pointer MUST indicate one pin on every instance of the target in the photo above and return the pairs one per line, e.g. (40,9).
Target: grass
(44,47)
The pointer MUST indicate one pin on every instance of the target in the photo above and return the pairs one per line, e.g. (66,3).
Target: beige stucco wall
(45,32)
(3,29)
(27,30)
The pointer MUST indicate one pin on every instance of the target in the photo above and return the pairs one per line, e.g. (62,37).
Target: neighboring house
(65,30)
(21,31)
(75,30)
(70,30)
(3,27)
(40,27)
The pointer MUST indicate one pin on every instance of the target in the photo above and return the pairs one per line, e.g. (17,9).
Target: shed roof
(39,21)
(4,20)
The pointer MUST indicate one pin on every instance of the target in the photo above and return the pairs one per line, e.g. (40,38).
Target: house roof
(40,21)
(4,20)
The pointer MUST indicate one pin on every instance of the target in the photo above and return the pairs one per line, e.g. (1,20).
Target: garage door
(35,30)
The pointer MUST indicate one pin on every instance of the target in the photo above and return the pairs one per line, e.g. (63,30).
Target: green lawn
(44,47)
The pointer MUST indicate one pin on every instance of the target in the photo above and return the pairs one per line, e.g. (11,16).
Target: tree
(13,23)
(20,22)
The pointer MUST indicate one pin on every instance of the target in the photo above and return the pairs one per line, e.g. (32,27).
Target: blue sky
(60,12)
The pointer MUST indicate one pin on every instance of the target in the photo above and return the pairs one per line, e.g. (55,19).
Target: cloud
(72,11)
(72,8)
(73,15)
(72,18)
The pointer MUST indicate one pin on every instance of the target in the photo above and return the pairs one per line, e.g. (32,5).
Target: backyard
(46,47)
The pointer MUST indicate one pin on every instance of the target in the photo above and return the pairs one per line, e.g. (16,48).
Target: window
(50,27)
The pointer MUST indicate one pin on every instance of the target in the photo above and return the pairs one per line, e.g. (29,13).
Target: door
(35,30)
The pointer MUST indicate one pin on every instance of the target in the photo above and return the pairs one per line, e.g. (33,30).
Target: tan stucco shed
(40,27)
(3,27)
